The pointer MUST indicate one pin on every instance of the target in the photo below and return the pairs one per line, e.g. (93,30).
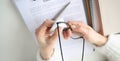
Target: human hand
(46,40)
(86,32)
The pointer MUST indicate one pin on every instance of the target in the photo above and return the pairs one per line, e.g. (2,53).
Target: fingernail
(73,26)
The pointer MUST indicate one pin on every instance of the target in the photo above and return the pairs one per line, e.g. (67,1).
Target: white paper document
(34,13)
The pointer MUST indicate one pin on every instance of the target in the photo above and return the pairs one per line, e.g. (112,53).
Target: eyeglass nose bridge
(69,27)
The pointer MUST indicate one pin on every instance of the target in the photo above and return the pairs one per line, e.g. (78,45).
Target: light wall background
(16,42)
(110,12)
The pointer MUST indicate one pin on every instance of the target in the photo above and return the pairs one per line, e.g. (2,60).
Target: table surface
(17,44)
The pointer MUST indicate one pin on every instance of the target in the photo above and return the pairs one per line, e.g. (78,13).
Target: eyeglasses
(69,27)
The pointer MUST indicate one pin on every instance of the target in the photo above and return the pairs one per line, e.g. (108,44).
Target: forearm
(95,38)
(100,40)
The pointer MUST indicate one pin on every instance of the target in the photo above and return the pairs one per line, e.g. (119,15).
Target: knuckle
(46,21)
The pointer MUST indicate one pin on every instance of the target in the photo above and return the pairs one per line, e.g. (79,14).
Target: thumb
(55,34)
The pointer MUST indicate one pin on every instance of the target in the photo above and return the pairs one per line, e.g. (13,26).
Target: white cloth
(55,57)
(111,49)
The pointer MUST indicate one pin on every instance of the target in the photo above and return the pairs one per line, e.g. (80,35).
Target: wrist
(102,41)
(46,53)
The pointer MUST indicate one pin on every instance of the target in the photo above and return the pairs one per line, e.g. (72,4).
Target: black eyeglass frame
(69,27)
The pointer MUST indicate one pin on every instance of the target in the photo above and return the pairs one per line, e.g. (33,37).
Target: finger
(67,34)
(75,22)
(55,34)
(75,27)
(46,24)
(44,27)
(78,27)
